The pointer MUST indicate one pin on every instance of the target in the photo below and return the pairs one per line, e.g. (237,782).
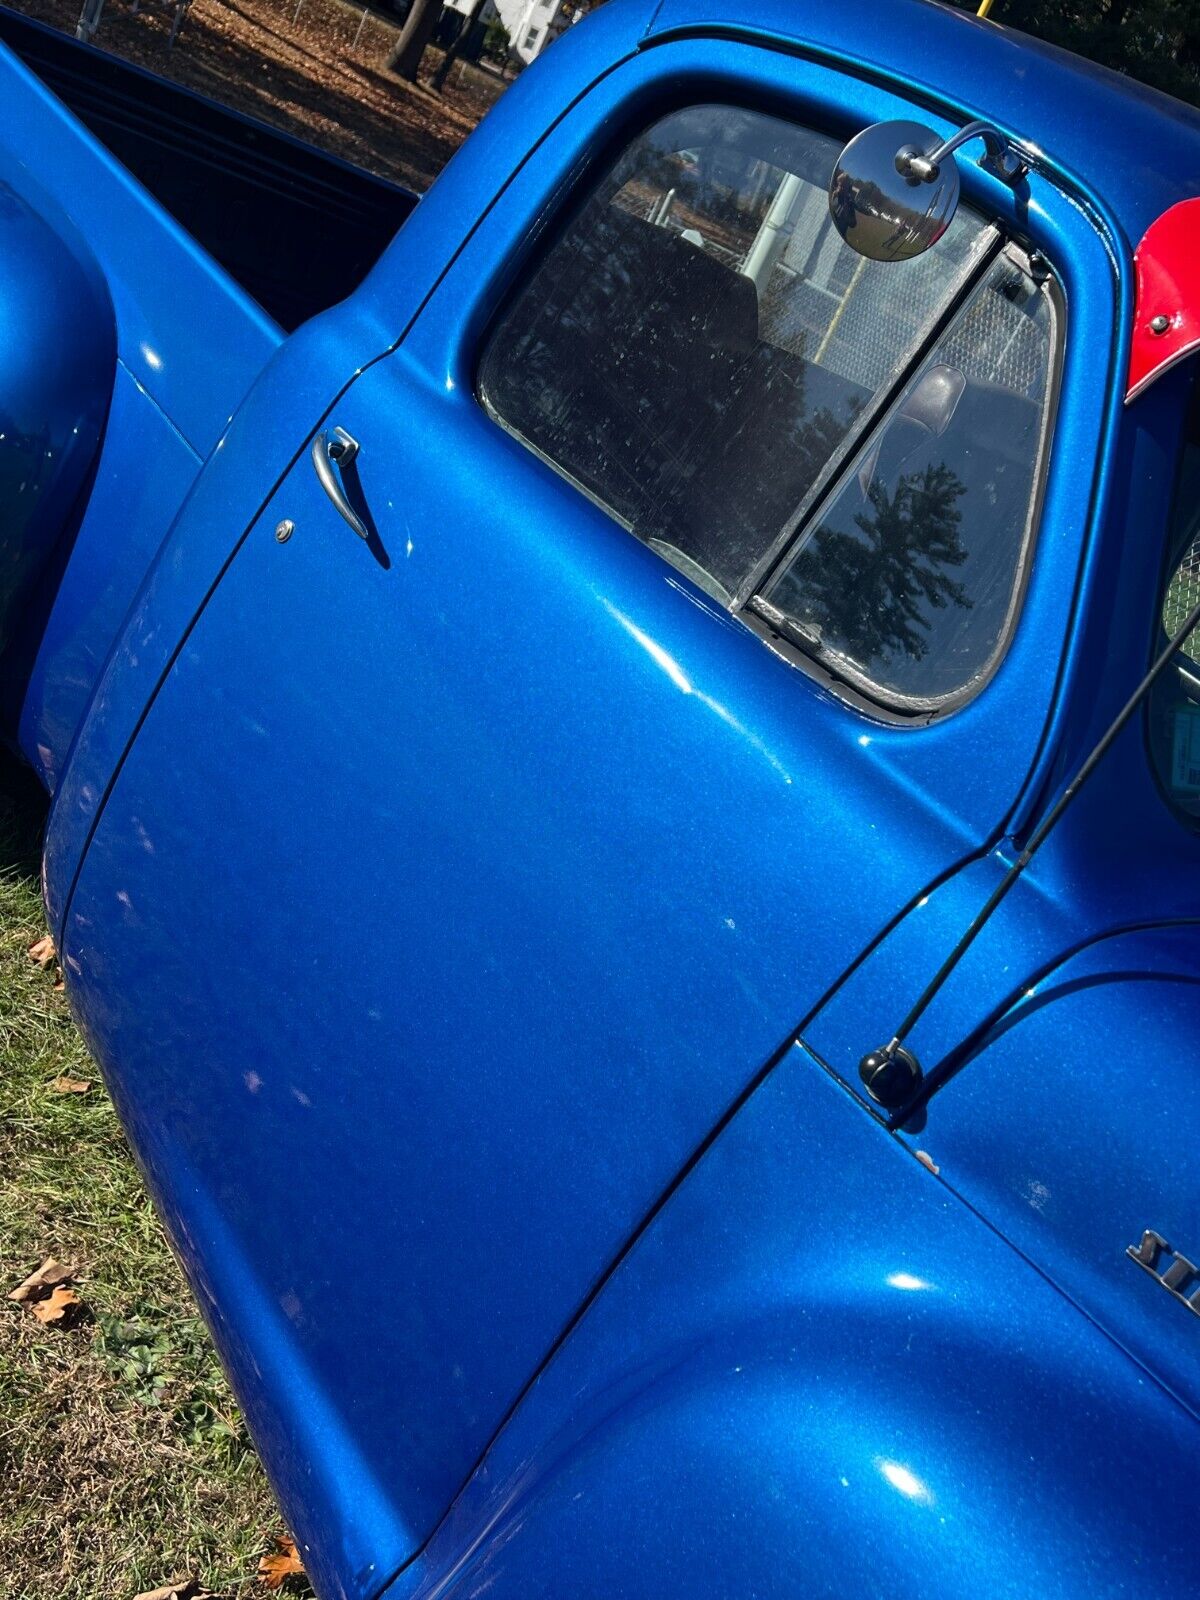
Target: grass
(124,1463)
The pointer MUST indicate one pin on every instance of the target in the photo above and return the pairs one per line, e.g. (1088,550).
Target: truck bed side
(172,394)
(297,228)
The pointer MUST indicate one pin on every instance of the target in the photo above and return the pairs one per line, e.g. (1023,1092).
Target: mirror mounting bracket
(1003,157)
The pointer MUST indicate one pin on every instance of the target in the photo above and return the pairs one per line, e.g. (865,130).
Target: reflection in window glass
(907,581)
(1174,712)
(699,341)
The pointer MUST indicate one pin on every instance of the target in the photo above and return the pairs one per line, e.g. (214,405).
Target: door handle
(332,450)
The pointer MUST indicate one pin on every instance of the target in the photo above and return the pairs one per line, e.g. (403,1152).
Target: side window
(700,340)
(1174,714)
(907,581)
(701,353)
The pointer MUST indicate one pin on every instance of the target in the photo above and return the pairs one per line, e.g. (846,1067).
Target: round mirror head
(886,213)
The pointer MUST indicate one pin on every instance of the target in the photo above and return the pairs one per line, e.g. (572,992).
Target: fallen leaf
(46,1294)
(38,1284)
(57,1305)
(71,1085)
(284,1564)
(185,1589)
(42,952)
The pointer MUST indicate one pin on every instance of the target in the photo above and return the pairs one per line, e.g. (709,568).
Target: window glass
(699,341)
(1175,700)
(907,580)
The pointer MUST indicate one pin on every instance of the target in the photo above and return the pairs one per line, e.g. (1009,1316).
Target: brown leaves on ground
(48,1276)
(60,1305)
(48,1294)
(305,68)
(71,1085)
(275,1570)
(182,1589)
(42,953)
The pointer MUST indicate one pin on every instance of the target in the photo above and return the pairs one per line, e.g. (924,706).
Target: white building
(530,24)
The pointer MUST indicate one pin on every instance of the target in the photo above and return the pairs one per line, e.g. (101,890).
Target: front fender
(818,1373)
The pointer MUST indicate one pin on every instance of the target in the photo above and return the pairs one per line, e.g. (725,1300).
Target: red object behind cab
(1166,320)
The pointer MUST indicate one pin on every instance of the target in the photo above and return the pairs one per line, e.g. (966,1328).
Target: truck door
(530,773)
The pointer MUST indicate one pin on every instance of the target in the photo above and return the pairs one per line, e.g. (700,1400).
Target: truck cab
(584,691)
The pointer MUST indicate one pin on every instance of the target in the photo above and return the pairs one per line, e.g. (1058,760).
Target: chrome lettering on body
(1171,1275)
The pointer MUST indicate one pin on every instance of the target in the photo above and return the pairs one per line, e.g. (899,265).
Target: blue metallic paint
(447,337)
(604,851)
(163,286)
(589,1118)
(144,472)
(1066,108)
(257,446)
(1072,1126)
(1119,859)
(404,713)
(819,1374)
(293,392)
(57,358)
(152,289)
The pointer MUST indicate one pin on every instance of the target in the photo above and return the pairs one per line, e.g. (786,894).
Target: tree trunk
(452,54)
(416,33)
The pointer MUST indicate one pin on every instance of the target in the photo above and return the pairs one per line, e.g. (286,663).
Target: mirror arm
(1002,157)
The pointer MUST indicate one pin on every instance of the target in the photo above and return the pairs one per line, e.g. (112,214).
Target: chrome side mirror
(895,187)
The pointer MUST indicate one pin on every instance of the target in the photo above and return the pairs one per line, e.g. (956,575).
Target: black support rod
(898,1087)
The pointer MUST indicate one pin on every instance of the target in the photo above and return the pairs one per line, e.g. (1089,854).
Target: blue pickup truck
(545,755)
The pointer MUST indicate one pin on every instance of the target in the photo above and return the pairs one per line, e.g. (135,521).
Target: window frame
(1174,550)
(987,249)
(748,606)
(835,669)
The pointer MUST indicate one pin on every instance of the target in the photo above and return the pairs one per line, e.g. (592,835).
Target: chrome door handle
(333,449)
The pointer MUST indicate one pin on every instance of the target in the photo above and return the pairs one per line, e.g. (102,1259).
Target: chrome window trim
(1175,548)
(748,606)
(984,251)
(834,670)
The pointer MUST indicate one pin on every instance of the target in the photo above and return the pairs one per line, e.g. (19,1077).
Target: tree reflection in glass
(870,592)
(908,580)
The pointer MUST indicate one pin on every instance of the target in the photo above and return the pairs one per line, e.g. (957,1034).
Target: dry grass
(123,1461)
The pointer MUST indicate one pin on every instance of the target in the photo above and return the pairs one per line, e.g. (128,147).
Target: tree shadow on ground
(23,807)
(303,76)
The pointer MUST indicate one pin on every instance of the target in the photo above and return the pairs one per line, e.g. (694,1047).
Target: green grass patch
(124,1462)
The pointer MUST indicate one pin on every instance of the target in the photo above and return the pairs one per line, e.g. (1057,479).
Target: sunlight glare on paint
(668,664)
(904,1481)
(905,1280)
(655,651)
